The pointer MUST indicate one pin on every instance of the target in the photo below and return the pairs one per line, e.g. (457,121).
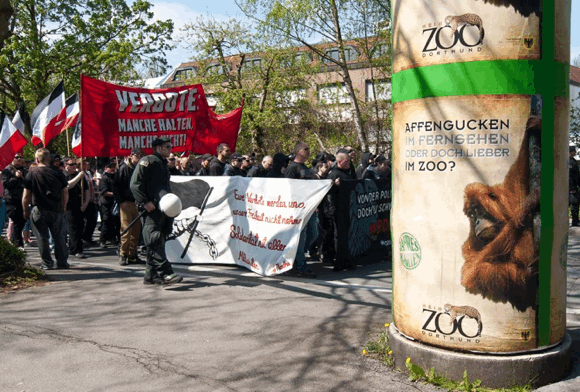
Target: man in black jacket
(46,188)
(340,172)
(78,199)
(234,167)
(150,181)
(378,170)
(110,222)
(205,161)
(128,209)
(262,169)
(217,166)
(13,181)
(172,166)
(298,170)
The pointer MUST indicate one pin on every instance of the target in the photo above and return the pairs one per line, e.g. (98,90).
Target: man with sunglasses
(172,166)
(247,163)
(13,181)
(150,181)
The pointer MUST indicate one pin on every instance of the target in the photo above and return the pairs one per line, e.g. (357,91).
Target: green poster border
(482,78)
(548,26)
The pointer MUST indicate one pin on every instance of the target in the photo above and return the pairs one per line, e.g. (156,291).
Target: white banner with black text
(252,222)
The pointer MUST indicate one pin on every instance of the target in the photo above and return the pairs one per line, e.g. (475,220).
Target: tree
(52,41)
(6,12)
(334,21)
(575,120)
(576,61)
(234,63)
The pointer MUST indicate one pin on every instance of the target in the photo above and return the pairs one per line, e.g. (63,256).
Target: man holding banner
(149,182)
(298,170)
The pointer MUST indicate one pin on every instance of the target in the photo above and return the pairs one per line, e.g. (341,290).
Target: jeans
(44,223)
(307,236)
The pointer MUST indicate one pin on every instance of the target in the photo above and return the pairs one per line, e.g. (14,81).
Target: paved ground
(98,328)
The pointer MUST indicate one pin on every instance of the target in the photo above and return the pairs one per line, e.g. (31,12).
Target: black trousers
(16,214)
(156,227)
(110,225)
(327,249)
(575,210)
(90,216)
(76,223)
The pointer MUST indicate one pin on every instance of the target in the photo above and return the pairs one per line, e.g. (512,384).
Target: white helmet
(170,205)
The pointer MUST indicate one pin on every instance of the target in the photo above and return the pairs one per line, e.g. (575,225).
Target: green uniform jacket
(150,180)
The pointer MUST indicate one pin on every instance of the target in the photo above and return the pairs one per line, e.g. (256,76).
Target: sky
(182,12)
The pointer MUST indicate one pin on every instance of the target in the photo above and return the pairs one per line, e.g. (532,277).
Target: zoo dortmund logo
(453,32)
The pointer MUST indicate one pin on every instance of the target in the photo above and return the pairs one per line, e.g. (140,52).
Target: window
(301,57)
(289,98)
(332,94)
(334,53)
(379,50)
(212,101)
(185,73)
(382,90)
(297,58)
(331,53)
(216,69)
(251,63)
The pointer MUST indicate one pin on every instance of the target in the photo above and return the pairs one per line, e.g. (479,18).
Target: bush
(12,259)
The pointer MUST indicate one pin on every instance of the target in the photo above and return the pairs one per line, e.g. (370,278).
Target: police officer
(149,182)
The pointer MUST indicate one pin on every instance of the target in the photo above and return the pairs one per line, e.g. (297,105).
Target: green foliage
(335,22)
(272,80)
(12,259)
(575,120)
(236,60)
(416,373)
(380,348)
(53,41)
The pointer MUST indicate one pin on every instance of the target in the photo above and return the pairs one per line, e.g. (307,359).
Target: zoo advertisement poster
(251,222)
(466,221)
(427,32)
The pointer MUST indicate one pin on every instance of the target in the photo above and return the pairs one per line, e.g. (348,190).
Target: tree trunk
(358,121)
(6,12)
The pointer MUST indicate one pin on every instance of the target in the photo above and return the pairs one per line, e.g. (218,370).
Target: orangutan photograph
(501,252)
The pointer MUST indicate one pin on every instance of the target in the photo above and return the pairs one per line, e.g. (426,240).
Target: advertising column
(479,220)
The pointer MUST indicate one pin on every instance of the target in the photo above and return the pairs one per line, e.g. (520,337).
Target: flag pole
(67,143)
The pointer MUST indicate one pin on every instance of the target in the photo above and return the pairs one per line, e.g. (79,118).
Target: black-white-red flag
(76,140)
(19,122)
(44,117)
(11,140)
(70,114)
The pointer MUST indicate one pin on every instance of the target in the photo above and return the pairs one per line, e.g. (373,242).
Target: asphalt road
(96,327)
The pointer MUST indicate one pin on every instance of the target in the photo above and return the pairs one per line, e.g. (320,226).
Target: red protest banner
(115,119)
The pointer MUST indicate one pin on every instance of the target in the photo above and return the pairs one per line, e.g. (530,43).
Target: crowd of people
(60,199)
